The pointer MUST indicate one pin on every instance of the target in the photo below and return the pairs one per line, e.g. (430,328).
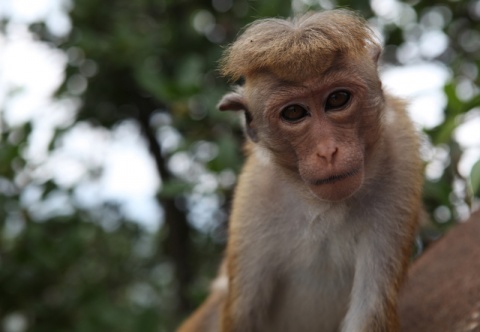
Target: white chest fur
(313,286)
(299,255)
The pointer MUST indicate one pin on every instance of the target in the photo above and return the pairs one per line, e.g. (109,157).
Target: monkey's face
(319,130)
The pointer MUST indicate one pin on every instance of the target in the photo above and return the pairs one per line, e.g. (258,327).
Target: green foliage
(70,274)
(475,179)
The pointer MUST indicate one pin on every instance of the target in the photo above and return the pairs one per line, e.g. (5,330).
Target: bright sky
(36,70)
(130,176)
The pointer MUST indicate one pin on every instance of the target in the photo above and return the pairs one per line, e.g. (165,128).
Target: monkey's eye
(293,113)
(337,100)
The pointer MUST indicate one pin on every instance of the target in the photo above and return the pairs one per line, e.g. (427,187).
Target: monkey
(327,203)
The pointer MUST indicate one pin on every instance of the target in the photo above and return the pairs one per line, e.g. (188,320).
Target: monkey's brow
(279,84)
(279,93)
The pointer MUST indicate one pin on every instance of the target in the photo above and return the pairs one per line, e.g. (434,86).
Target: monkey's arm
(251,252)
(249,296)
(207,317)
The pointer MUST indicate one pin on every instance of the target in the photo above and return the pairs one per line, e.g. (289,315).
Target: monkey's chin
(337,188)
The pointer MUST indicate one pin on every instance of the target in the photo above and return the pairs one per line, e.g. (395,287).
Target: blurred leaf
(174,188)
(442,134)
(454,105)
(228,155)
(475,178)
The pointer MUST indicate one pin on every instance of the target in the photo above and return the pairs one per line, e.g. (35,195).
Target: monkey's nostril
(327,153)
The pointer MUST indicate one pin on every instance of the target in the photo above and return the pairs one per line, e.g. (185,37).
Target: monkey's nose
(327,153)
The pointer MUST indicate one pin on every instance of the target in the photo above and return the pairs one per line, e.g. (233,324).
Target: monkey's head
(312,97)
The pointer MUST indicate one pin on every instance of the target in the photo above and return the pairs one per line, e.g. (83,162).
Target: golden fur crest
(286,47)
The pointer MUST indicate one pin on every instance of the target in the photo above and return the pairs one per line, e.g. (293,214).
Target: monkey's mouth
(337,177)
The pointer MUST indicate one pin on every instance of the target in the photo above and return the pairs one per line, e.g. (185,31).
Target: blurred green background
(72,259)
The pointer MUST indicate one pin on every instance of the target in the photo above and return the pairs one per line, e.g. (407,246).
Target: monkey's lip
(336,177)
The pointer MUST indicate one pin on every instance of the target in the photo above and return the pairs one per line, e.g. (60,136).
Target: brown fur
(325,208)
(288,47)
(442,292)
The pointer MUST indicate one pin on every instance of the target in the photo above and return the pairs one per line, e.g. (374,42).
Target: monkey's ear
(234,101)
(375,51)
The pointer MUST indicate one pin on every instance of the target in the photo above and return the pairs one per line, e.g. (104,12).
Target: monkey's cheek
(338,190)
